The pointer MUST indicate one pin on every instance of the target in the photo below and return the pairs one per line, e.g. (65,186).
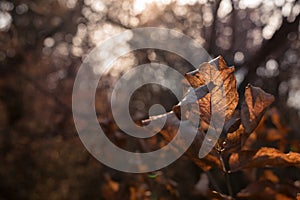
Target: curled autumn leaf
(221,83)
(264,157)
(254,106)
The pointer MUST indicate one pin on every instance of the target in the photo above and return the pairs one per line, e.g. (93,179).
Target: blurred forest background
(44,42)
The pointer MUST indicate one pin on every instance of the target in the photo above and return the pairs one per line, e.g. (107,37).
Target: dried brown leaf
(183,110)
(208,81)
(267,190)
(217,72)
(264,157)
(206,163)
(206,73)
(254,106)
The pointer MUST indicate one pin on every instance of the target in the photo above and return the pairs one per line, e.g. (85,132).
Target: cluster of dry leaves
(239,146)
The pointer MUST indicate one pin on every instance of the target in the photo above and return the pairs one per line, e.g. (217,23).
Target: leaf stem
(213,182)
(227,175)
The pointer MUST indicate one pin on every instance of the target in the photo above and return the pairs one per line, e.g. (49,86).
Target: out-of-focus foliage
(42,44)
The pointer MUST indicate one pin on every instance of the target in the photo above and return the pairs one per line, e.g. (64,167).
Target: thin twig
(233,26)
(227,175)
(213,34)
(213,182)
